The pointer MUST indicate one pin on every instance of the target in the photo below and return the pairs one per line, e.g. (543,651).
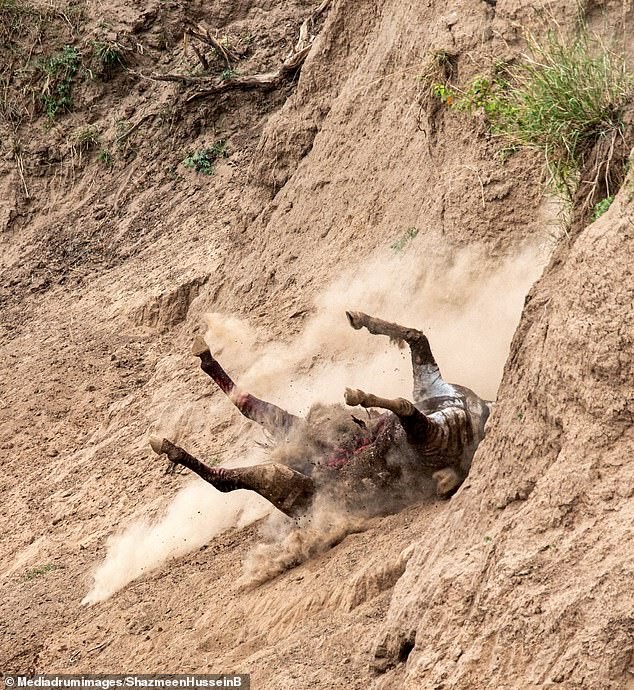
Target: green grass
(601,207)
(405,239)
(204,161)
(60,70)
(39,572)
(228,74)
(105,158)
(561,100)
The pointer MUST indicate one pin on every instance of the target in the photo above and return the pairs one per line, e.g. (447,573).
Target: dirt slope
(107,272)
(531,556)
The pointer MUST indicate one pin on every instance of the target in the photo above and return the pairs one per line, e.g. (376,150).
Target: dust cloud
(197,513)
(285,544)
(466,301)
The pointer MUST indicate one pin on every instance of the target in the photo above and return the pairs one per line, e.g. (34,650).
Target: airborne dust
(467,302)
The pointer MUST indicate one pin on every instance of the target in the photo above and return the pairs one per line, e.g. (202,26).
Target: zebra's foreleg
(428,381)
(274,419)
(413,421)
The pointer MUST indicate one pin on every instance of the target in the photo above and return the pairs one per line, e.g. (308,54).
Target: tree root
(236,82)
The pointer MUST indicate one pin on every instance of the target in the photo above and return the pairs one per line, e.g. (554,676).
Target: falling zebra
(363,462)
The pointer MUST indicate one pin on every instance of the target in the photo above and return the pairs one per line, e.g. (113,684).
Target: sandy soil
(346,187)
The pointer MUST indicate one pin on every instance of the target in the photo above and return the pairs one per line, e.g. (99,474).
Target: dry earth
(523,579)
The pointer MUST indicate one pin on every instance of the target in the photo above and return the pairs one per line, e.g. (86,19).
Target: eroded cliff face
(526,576)
(107,273)
(525,582)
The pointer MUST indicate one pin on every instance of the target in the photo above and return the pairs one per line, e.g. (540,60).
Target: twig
(203,33)
(99,646)
(201,58)
(20,166)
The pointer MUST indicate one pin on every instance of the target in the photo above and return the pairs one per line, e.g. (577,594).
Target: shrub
(404,240)
(204,161)
(60,70)
(38,572)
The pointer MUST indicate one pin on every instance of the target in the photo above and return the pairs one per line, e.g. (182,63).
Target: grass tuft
(39,572)
(109,56)
(566,100)
(561,100)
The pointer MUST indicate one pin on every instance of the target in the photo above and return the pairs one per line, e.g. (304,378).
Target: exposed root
(236,82)
(601,177)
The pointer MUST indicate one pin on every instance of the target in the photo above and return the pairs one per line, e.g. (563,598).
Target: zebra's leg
(274,419)
(288,490)
(437,438)
(417,426)
(428,381)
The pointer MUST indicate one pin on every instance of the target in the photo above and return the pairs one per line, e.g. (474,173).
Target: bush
(563,99)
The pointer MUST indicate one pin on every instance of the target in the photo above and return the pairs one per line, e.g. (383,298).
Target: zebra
(358,463)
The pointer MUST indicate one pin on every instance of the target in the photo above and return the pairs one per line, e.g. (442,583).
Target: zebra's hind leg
(274,419)
(428,381)
(289,491)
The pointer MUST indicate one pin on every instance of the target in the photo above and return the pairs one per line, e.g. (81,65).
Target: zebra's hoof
(447,482)
(354,396)
(356,319)
(199,346)
(156,444)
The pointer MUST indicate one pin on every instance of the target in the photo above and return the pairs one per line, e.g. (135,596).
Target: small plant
(601,207)
(247,39)
(444,93)
(42,570)
(105,158)
(227,74)
(404,240)
(60,70)
(204,161)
